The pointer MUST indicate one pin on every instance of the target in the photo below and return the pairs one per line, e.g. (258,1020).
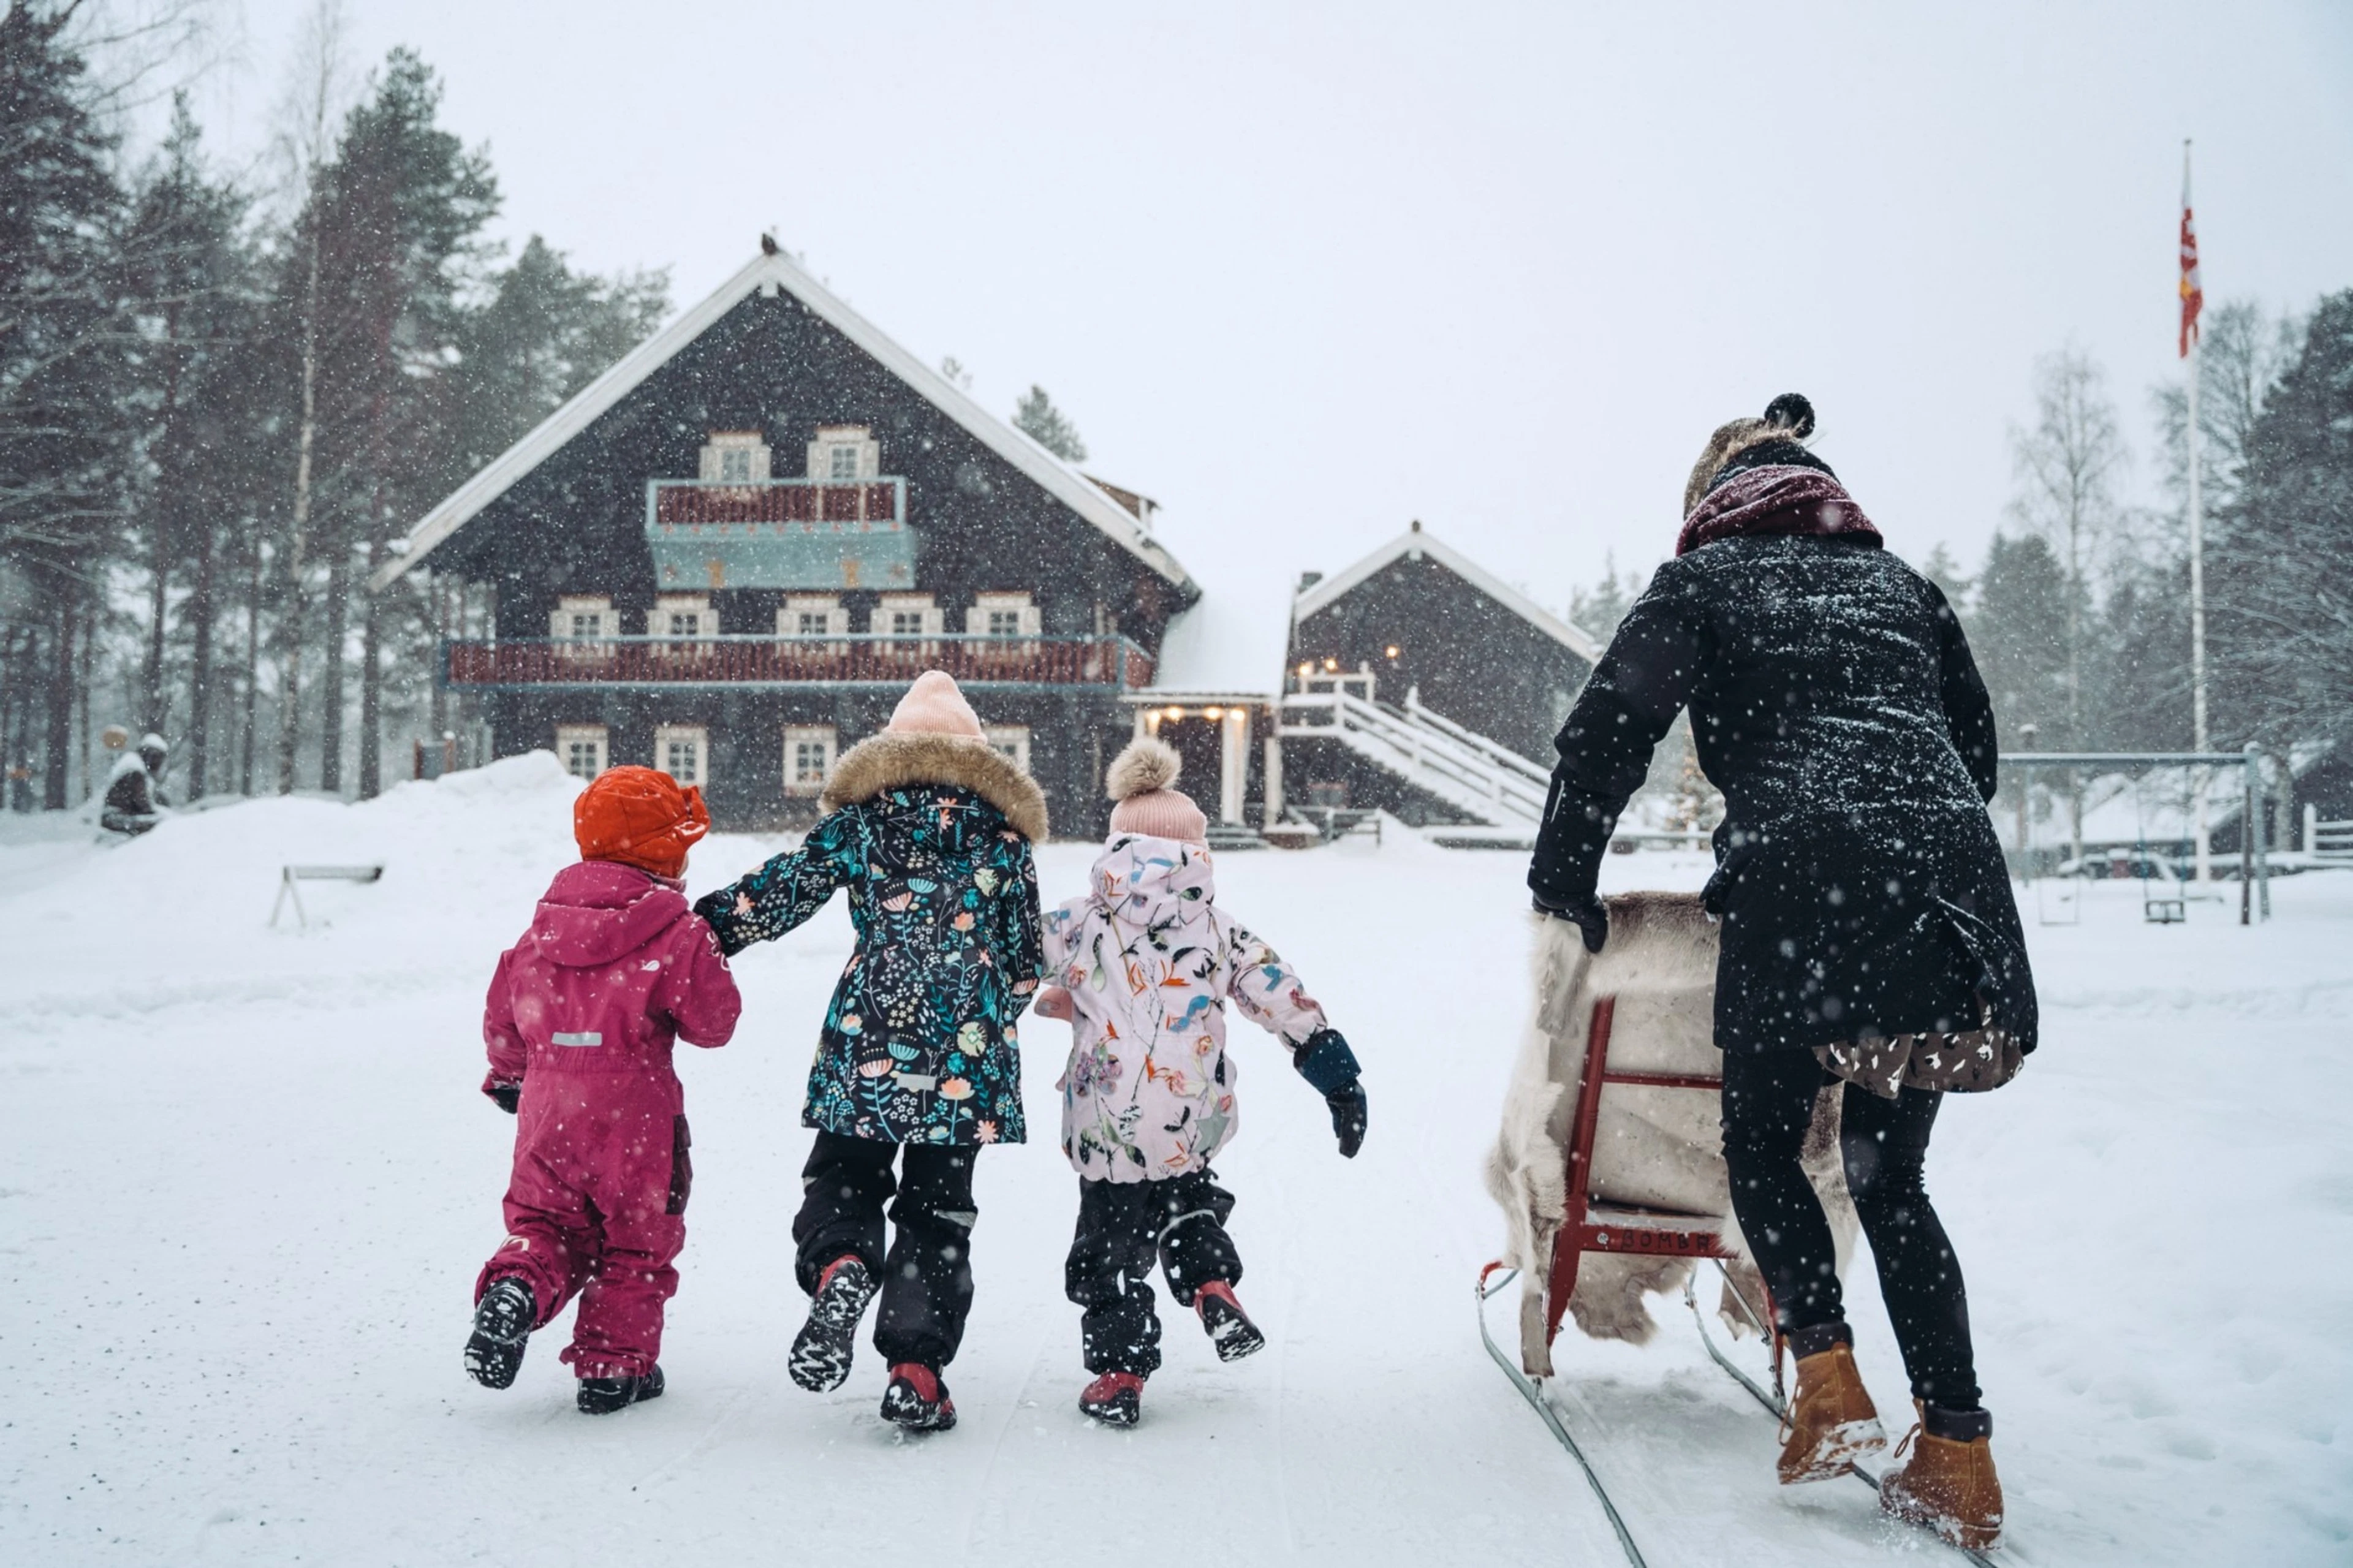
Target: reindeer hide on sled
(1656,1148)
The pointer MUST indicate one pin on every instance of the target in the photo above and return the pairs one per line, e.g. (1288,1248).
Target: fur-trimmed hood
(888,762)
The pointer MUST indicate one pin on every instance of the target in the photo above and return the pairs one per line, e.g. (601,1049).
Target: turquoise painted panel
(692,556)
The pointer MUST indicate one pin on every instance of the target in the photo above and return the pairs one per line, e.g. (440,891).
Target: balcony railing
(1112,663)
(872,504)
(780,533)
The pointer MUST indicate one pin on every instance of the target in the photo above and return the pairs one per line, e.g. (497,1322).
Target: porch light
(1331,663)
(1306,669)
(1172,714)
(1213,714)
(1392,650)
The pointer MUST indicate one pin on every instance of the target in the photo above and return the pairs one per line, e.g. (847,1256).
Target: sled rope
(1777,1409)
(1529,1391)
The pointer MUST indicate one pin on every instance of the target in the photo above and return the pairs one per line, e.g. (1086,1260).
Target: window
(733,457)
(683,752)
(808,758)
(1004,615)
(910,617)
(1013,740)
(812,622)
(843,453)
(687,618)
(581,748)
(582,621)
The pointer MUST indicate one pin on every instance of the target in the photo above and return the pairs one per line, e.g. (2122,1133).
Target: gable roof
(1416,543)
(768,273)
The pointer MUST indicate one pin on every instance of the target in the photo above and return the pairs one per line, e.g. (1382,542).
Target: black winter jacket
(1835,705)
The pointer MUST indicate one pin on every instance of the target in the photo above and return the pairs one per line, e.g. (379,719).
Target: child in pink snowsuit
(580,1020)
(1144,964)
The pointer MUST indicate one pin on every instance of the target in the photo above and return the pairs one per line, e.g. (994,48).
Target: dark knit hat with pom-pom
(1142,780)
(1745,444)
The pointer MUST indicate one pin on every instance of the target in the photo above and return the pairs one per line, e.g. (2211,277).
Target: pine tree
(2018,632)
(1037,417)
(61,338)
(192,283)
(2282,579)
(394,222)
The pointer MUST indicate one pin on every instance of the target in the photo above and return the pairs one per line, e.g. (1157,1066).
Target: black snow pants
(1769,1101)
(1124,1228)
(926,1273)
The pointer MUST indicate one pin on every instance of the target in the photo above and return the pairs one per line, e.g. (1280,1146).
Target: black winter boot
(1228,1326)
(603,1395)
(502,1323)
(821,1353)
(917,1399)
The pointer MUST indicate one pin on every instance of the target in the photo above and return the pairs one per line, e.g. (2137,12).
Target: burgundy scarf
(1780,500)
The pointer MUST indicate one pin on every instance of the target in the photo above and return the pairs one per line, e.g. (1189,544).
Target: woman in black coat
(1868,929)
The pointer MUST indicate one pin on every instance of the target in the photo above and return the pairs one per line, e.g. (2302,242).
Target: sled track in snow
(1482,1292)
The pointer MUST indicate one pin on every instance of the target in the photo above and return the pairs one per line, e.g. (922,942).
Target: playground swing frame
(2254,859)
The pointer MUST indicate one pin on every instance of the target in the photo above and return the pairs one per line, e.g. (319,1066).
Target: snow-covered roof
(1416,542)
(767,273)
(1233,642)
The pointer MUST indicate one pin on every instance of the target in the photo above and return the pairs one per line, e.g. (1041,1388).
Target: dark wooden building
(1427,621)
(728,556)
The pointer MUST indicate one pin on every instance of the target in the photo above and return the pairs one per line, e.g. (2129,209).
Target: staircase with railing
(1469,772)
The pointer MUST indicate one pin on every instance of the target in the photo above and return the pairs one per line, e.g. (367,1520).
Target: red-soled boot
(1116,1399)
(917,1399)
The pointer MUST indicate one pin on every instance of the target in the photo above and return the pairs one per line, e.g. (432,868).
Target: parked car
(2123,866)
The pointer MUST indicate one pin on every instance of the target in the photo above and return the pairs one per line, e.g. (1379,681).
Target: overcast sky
(1304,273)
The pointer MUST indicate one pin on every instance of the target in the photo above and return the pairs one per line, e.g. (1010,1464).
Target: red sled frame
(1627,1230)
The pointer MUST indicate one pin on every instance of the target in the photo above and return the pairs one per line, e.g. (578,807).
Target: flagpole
(2197,578)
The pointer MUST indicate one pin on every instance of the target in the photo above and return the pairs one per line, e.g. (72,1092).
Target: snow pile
(245,1182)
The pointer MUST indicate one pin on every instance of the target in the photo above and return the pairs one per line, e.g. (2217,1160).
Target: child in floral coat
(1144,964)
(918,1064)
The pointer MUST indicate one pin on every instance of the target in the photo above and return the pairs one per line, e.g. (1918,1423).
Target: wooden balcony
(694,503)
(1105,663)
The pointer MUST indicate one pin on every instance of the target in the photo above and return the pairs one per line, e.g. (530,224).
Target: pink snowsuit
(583,1011)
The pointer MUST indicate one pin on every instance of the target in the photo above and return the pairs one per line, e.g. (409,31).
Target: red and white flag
(2194,296)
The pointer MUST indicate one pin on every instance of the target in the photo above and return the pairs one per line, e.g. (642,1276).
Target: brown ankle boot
(1948,1485)
(1831,1421)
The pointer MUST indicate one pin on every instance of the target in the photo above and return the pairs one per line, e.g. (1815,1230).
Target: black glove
(1584,911)
(1325,1060)
(505,1096)
(1347,1103)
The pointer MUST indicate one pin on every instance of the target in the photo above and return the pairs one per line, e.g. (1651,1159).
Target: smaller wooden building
(1425,619)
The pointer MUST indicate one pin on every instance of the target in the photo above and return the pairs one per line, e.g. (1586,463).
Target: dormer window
(734,457)
(1006,615)
(844,453)
(812,616)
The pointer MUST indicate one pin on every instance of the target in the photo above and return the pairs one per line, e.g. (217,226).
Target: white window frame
(1029,620)
(694,736)
(931,623)
(866,454)
(568,736)
(788,618)
(798,735)
(741,450)
(565,624)
(678,644)
(1013,740)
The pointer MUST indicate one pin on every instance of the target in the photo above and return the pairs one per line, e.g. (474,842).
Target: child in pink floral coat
(1144,964)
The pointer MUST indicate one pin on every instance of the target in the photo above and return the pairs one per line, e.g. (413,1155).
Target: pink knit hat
(1140,780)
(934,705)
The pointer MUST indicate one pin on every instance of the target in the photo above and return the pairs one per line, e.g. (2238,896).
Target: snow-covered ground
(245,1182)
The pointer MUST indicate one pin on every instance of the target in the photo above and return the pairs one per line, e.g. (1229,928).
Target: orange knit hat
(638,817)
